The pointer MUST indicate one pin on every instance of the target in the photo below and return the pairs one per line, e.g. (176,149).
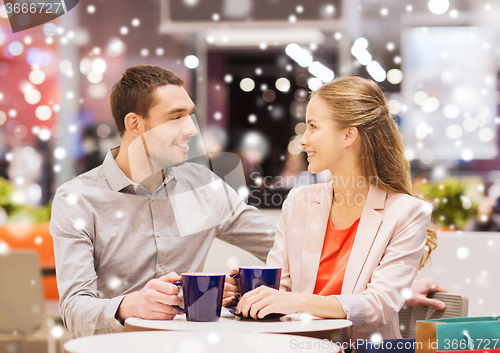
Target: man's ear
(351,135)
(131,122)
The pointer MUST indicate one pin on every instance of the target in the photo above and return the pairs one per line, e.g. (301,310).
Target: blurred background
(250,65)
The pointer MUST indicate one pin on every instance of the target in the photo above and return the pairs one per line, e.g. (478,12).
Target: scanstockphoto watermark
(297,343)
(26,14)
(388,345)
(261,187)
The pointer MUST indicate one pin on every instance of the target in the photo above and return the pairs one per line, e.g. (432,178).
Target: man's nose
(189,128)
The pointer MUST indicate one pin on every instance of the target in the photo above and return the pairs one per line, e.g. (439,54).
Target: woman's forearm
(318,305)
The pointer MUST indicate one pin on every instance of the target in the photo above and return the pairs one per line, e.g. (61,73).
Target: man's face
(165,133)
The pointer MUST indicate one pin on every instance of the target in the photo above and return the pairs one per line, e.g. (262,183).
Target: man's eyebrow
(179,110)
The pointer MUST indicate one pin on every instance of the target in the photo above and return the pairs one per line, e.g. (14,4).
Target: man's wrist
(125,309)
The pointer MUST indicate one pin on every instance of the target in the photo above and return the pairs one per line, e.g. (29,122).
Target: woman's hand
(265,300)
(231,290)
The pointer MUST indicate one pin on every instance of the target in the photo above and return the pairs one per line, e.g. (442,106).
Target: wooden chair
(25,326)
(34,237)
(456,306)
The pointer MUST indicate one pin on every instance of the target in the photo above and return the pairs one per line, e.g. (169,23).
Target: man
(124,230)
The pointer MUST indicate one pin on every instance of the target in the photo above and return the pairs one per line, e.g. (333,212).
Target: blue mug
(202,296)
(252,277)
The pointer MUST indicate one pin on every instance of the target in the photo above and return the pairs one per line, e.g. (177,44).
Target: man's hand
(231,290)
(154,301)
(420,288)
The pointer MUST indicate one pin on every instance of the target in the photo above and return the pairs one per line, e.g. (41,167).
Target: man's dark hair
(133,93)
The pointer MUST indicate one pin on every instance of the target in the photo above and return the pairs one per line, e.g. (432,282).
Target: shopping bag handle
(470,341)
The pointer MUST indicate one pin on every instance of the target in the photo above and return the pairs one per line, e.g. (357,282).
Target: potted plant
(21,213)
(28,228)
(452,208)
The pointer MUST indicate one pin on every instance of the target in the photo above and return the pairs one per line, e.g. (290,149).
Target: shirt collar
(116,178)
(170,175)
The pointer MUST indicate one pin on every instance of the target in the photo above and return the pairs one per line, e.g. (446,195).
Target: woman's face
(323,141)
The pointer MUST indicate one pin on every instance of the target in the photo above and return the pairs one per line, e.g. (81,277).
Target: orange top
(334,256)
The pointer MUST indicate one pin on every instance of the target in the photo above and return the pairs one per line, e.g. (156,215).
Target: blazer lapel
(368,228)
(314,237)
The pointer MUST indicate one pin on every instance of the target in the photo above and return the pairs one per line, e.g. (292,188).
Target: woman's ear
(131,122)
(351,135)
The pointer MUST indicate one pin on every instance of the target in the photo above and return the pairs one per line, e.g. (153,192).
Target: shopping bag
(460,333)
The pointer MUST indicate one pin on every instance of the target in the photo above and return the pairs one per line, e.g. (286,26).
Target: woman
(349,248)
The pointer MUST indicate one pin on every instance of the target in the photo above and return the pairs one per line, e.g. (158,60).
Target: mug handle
(182,310)
(236,275)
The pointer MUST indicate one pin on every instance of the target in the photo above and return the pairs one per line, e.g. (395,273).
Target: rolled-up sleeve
(354,309)
(81,308)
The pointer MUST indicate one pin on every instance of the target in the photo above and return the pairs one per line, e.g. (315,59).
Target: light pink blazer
(384,259)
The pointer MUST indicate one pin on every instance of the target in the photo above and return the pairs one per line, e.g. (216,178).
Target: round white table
(196,342)
(335,330)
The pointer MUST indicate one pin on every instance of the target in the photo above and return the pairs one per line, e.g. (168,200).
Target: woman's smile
(310,155)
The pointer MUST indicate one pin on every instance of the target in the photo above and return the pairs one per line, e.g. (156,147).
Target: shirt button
(157,234)
(159,268)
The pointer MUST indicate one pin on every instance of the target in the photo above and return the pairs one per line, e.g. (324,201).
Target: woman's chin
(311,169)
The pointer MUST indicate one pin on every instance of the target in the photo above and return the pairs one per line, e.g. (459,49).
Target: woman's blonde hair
(359,102)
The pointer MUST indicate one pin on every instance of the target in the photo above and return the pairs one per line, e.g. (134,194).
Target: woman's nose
(303,140)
